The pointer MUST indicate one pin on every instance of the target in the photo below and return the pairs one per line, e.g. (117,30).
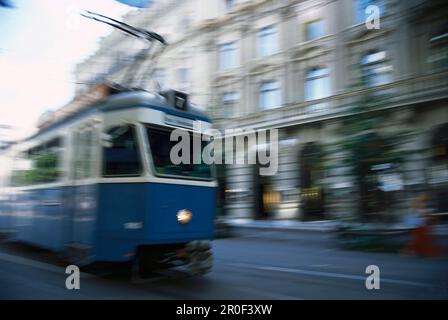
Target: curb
(323,226)
(320,226)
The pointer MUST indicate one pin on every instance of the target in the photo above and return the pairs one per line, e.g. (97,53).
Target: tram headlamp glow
(184,216)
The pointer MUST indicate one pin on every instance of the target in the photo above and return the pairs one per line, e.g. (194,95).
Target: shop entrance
(266,199)
(311,174)
(439,169)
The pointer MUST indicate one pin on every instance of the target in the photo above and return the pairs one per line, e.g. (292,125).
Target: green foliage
(365,143)
(362,139)
(44,170)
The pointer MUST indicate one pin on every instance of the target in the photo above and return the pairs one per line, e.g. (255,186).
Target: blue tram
(99,185)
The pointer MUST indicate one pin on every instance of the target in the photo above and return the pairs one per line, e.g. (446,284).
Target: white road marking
(37,264)
(320,265)
(330,274)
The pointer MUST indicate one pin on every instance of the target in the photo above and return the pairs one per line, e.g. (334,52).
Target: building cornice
(312,49)
(407,92)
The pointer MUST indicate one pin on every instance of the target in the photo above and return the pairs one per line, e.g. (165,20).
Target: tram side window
(21,165)
(121,157)
(40,164)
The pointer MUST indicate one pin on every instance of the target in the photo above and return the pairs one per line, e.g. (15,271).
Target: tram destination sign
(179,121)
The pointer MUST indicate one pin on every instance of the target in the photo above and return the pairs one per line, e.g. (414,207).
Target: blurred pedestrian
(422,241)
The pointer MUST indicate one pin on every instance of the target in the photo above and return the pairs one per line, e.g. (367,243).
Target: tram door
(84,191)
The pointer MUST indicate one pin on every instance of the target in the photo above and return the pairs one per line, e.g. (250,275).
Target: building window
(184,23)
(438,57)
(375,69)
(361,6)
(160,77)
(122,156)
(183,77)
(317,84)
(267,41)
(315,30)
(270,96)
(228,56)
(229,4)
(230,103)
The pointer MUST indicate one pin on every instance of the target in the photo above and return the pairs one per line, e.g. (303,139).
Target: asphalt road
(255,265)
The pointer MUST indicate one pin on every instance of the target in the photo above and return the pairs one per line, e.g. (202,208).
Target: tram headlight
(184,216)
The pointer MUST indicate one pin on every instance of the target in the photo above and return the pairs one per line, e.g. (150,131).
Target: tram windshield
(161,146)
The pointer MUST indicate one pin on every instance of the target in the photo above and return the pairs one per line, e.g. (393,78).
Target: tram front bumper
(199,256)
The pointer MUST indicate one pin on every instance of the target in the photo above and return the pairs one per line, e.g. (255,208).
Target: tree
(371,153)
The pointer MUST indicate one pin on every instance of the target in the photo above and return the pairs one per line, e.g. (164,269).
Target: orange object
(423,243)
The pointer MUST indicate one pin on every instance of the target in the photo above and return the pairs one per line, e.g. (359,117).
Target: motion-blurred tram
(99,186)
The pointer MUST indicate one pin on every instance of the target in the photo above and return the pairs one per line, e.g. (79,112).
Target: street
(253,265)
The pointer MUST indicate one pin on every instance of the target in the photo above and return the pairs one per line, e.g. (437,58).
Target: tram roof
(166,102)
(133,99)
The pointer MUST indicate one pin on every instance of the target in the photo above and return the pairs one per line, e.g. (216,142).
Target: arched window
(376,70)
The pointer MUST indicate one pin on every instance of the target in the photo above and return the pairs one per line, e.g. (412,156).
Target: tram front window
(161,146)
(121,157)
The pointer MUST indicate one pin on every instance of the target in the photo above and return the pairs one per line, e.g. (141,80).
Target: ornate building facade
(306,68)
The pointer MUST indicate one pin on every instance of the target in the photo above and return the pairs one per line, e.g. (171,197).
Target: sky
(41,41)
